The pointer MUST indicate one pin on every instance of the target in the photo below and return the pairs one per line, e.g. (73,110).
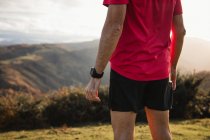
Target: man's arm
(110,35)
(109,38)
(179,32)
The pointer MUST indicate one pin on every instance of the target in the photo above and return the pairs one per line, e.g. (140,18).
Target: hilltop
(45,67)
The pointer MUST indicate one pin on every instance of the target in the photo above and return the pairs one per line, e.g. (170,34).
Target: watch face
(94,74)
(91,71)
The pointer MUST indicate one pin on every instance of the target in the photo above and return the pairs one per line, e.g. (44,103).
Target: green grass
(197,129)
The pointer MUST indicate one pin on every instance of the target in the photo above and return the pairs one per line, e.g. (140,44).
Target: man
(136,40)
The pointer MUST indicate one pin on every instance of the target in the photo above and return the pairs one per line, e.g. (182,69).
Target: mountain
(44,67)
(15,37)
(195,55)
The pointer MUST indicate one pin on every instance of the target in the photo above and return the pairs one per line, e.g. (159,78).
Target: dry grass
(21,59)
(197,129)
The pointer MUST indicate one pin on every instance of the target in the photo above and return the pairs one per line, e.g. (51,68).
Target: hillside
(195,55)
(46,67)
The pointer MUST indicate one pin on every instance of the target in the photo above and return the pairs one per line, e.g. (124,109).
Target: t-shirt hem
(178,13)
(114,3)
(140,77)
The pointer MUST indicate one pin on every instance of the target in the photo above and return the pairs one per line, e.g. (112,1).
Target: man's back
(143,51)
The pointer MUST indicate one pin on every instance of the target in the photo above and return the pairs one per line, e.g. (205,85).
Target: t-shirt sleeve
(108,2)
(178,8)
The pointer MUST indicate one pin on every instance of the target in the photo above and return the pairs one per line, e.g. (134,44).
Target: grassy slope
(197,129)
(46,66)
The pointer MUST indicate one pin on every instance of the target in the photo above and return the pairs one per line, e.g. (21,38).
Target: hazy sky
(78,20)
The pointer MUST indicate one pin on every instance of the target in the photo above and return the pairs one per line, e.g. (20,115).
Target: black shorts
(126,95)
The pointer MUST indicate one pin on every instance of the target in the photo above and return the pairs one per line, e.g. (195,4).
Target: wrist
(98,70)
(95,74)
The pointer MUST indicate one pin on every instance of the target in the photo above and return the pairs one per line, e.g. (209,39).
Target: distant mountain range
(195,55)
(44,67)
(47,66)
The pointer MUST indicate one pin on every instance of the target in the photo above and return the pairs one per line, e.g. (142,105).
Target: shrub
(189,102)
(72,108)
(21,111)
(68,106)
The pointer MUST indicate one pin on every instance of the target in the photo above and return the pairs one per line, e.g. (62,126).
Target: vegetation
(189,100)
(68,106)
(44,67)
(196,129)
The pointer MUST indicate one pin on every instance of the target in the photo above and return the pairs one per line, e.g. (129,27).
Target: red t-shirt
(143,50)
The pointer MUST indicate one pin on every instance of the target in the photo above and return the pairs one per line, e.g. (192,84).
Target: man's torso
(143,50)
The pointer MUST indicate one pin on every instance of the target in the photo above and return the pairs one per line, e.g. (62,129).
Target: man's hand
(91,90)
(173,77)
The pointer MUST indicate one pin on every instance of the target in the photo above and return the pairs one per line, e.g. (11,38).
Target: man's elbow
(181,32)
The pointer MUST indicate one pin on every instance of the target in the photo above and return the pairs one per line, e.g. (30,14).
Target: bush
(21,111)
(73,108)
(189,101)
(68,106)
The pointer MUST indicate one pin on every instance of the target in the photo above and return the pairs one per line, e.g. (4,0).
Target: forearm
(108,42)
(177,43)
(179,32)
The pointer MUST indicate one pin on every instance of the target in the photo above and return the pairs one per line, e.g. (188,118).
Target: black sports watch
(94,73)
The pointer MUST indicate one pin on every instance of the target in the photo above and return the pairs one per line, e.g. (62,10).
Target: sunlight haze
(77,20)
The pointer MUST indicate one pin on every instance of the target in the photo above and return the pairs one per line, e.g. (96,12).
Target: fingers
(91,91)
(174,84)
(92,95)
(173,78)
